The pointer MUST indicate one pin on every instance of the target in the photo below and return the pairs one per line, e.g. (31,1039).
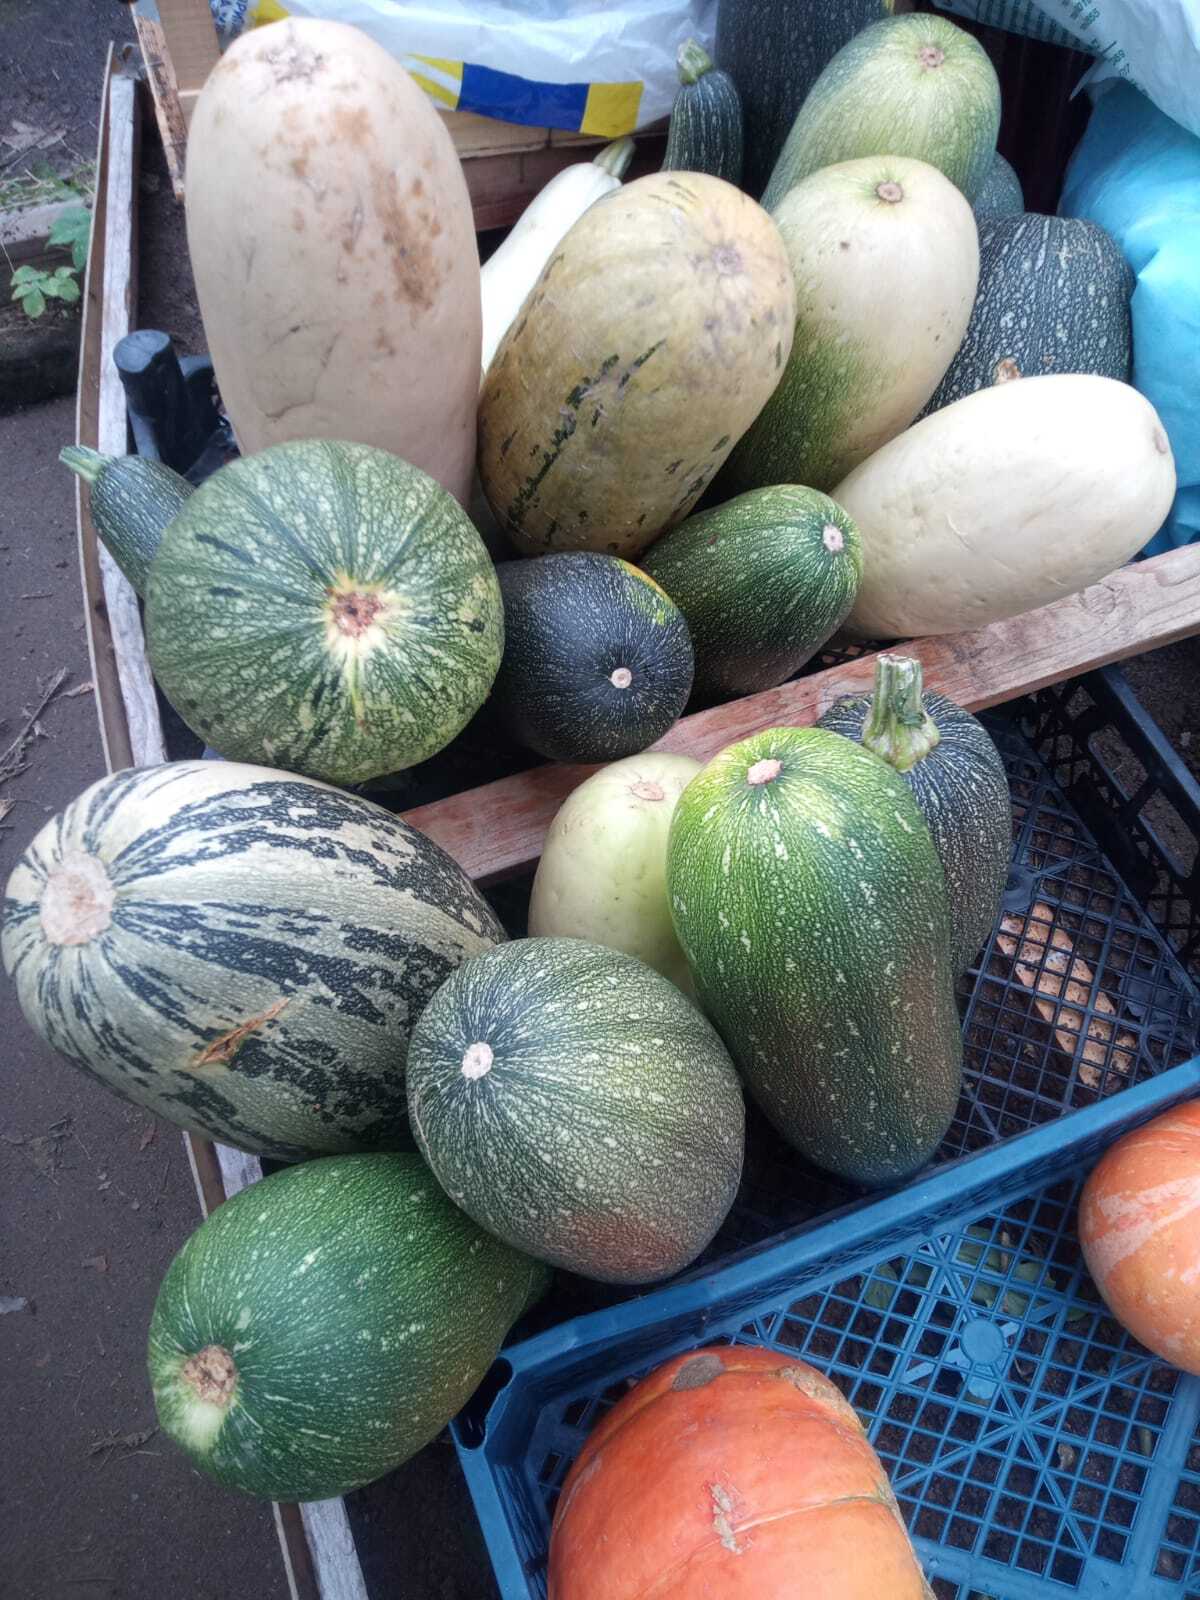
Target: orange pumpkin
(731,1474)
(1139,1225)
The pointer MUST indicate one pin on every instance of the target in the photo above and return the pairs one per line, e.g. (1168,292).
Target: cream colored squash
(1004,501)
(334,250)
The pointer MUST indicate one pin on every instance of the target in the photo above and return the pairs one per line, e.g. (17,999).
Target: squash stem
(615,157)
(898,727)
(693,61)
(87,463)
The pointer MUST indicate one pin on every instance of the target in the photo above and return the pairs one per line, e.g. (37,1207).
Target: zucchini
(706,120)
(132,500)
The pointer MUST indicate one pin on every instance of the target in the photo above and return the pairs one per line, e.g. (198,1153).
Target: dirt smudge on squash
(407,237)
(289,59)
(352,126)
(222,1051)
(353,229)
(299,222)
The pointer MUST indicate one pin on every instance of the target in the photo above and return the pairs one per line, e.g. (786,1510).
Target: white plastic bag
(1153,44)
(601,67)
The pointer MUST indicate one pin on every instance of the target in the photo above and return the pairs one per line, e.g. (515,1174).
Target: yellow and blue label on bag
(606,110)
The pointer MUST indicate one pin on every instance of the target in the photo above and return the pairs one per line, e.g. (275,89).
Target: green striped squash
(576,1105)
(132,498)
(762,581)
(913,85)
(240,951)
(324,607)
(705,134)
(957,778)
(325,1324)
(810,902)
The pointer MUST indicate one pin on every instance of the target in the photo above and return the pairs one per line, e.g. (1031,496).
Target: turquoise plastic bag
(1137,174)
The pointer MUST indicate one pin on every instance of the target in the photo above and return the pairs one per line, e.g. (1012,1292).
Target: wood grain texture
(164,93)
(497,830)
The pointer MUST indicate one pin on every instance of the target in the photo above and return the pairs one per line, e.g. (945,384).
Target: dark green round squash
(705,134)
(577,1106)
(1001,193)
(1053,296)
(762,581)
(597,660)
(958,781)
(324,607)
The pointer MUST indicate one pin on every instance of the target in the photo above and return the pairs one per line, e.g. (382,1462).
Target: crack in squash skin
(325,608)
(649,344)
(808,897)
(324,1324)
(270,943)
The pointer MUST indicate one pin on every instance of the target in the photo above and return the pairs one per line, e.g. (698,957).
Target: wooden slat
(164,92)
(498,829)
(195,51)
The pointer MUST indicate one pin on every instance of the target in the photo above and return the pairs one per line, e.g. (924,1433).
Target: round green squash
(957,778)
(597,660)
(1053,296)
(913,85)
(808,897)
(705,134)
(132,498)
(1001,192)
(323,1325)
(576,1105)
(602,875)
(238,950)
(324,607)
(762,581)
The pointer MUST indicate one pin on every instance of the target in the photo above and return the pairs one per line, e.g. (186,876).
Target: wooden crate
(505,163)
(497,830)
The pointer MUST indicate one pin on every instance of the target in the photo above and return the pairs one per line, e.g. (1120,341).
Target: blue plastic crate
(1035,1448)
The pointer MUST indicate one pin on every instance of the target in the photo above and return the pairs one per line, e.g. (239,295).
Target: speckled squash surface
(1053,296)
(324,607)
(240,951)
(808,897)
(864,361)
(574,1103)
(762,581)
(913,85)
(1001,192)
(651,341)
(324,1324)
(957,778)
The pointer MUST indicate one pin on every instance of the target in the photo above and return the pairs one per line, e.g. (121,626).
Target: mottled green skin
(705,134)
(606,1135)
(1053,296)
(361,1309)
(812,910)
(132,500)
(572,619)
(1000,194)
(962,789)
(774,51)
(240,629)
(762,583)
(271,942)
(877,97)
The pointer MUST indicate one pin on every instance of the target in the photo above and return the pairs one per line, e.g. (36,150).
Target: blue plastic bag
(1137,174)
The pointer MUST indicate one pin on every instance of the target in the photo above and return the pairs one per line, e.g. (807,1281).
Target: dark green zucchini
(597,660)
(132,499)
(774,50)
(1053,296)
(958,781)
(1001,193)
(706,119)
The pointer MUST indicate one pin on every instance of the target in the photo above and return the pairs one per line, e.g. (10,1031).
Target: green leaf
(72,230)
(69,291)
(33,302)
(25,275)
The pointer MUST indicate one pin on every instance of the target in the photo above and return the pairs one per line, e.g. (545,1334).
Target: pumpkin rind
(324,607)
(811,905)
(240,951)
(576,1105)
(336,1316)
(651,341)
(728,1472)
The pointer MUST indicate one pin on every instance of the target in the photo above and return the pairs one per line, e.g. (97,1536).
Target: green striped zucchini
(705,134)
(132,499)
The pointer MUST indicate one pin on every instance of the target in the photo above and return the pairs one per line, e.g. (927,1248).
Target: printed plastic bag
(1153,44)
(1137,174)
(601,67)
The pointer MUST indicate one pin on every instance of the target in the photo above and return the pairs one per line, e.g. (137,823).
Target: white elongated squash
(1006,500)
(865,358)
(512,269)
(333,246)
(602,875)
